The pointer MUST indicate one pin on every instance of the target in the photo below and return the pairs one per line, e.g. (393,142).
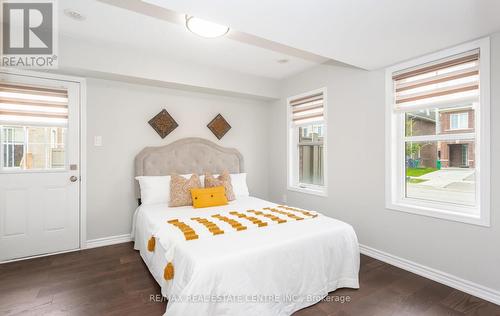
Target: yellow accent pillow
(207,197)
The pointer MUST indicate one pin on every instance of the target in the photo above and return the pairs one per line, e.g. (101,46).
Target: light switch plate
(98,141)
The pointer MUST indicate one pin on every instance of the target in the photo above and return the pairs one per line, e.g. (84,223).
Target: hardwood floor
(113,280)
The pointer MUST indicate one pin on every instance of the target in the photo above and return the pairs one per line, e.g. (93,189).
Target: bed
(289,261)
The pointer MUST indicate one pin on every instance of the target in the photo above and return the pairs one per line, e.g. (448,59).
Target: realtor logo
(29,34)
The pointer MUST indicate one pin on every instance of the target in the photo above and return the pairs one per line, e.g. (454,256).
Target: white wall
(356,152)
(120,112)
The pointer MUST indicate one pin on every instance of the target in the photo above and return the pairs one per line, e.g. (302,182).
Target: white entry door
(39,166)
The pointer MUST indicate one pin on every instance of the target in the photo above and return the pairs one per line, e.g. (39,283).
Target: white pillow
(239,182)
(156,189)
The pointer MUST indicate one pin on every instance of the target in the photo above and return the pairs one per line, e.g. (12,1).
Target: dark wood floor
(114,281)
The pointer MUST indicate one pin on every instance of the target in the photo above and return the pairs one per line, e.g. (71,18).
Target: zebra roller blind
(28,105)
(308,109)
(453,80)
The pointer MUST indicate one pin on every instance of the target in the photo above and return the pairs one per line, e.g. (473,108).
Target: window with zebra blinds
(33,126)
(439,129)
(307,142)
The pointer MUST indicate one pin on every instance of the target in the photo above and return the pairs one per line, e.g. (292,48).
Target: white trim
(107,241)
(291,176)
(83,163)
(441,137)
(309,190)
(450,280)
(39,256)
(89,244)
(442,54)
(395,160)
(453,212)
(483,146)
(83,139)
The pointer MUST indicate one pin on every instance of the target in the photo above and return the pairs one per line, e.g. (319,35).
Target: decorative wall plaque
(219,126)
(163,123)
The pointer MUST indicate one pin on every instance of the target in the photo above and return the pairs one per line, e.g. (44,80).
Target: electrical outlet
(283,198)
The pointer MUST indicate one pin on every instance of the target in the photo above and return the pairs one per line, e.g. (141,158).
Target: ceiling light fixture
(75,15)
(205,28)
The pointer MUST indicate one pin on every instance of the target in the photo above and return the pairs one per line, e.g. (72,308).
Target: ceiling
(369,34)
(109,25)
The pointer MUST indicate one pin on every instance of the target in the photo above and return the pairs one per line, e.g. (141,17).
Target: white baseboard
(455,282)
(39,256)
(93,243)
(106,241)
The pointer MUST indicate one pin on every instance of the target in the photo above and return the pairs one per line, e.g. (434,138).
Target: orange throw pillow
(208,197)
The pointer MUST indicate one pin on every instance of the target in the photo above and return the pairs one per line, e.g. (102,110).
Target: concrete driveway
(444,177)
(454,185)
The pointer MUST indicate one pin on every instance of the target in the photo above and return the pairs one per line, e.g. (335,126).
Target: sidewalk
(445,177)
(454,185)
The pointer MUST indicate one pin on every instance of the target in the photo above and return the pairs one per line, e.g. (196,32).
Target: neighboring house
(458,154)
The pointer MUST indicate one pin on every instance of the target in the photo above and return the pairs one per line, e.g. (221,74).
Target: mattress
(273,270)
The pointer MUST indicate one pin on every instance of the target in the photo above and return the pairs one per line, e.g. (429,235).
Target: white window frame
(459,116)
(395,164)
(292,149)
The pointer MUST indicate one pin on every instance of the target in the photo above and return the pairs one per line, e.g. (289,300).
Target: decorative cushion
(239,183)
(223,180)
(207,197)
(180,190)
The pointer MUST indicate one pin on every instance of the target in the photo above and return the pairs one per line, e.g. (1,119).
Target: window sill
(313,191)
(465,215)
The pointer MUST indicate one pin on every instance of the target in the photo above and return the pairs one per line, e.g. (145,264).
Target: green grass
(416,181)
(417,172)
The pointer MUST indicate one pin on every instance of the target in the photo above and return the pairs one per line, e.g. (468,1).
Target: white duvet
(274,270)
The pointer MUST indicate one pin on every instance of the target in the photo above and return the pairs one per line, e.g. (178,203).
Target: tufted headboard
(187,155)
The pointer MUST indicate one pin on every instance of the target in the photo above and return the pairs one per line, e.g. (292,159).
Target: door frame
(82,146)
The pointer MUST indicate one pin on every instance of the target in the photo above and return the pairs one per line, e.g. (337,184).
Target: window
(438,138)
(459,120)
(307,142)
(33,122)
(13,146)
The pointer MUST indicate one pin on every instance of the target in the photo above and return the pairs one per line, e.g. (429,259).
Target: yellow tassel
(151,244)
(168,273)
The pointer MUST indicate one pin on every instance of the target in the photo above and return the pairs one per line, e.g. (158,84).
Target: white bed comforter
(273,270)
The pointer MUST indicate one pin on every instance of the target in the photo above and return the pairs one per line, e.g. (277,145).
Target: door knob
(73,178)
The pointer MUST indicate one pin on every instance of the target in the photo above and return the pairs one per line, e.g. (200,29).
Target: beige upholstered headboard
(187,155)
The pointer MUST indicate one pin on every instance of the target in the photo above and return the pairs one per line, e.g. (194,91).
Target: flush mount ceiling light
(74,14)
(205,28)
